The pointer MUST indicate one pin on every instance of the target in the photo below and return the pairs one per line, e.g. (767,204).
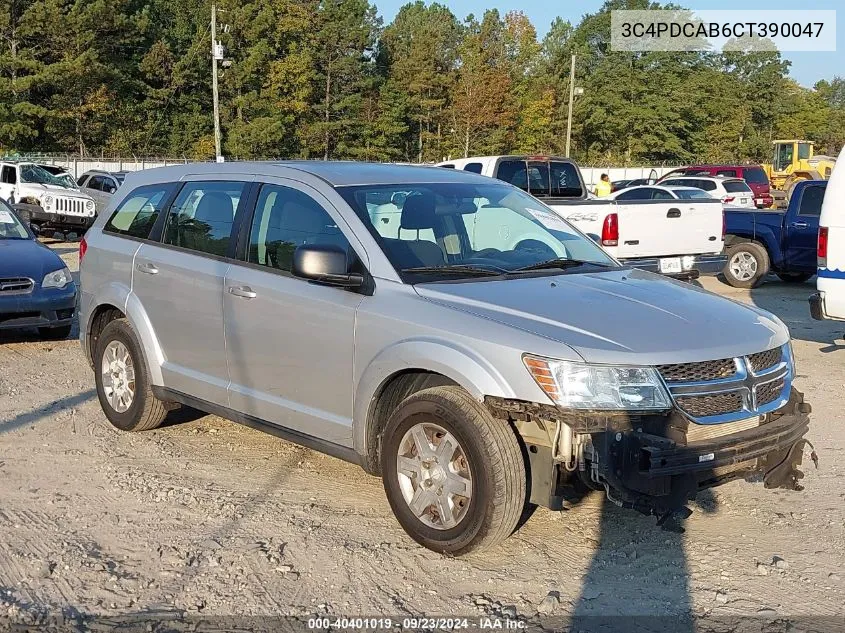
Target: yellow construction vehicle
(794,161)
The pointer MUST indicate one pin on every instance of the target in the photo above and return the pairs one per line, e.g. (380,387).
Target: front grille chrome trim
(745,382)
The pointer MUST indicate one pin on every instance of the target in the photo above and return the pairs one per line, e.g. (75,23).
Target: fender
(458,363)
(140,322)
(120,296)
(759,233)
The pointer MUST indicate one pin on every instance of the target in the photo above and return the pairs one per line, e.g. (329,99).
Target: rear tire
(795,278)
(748,264)
(125,395)
(489,459)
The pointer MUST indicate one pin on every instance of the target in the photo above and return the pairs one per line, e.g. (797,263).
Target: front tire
(748,264)
(122,379)
(454,475)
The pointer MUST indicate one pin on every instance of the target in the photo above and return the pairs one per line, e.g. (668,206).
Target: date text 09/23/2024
(416,624)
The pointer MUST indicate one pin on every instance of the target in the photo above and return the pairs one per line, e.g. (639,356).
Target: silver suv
(444,330)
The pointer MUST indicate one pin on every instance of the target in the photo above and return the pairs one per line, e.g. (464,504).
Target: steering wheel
(541,249)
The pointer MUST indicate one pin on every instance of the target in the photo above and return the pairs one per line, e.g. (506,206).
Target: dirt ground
(207,517)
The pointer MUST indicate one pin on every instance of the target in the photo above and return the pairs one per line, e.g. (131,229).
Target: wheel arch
(389,379)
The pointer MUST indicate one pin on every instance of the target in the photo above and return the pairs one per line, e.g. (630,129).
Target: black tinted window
(8,175)
(542,178)
(634,194)
(81,180)
(202,216)
(447,166)
(284,219)
(755,175)
(138,212)
(473,167)
(811,201)
(96,182)
(736,186)
(730,173)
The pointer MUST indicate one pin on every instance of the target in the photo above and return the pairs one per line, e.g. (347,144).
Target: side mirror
(325,264)
(111,190)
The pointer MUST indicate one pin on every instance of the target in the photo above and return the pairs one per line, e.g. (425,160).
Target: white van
(829,301)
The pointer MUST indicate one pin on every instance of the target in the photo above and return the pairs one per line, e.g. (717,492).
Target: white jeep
(44,200)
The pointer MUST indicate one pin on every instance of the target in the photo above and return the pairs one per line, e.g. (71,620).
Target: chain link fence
(77,166)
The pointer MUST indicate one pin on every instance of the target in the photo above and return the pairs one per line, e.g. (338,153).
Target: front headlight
(48,202)
(57,279)
(584,386)
(89,205)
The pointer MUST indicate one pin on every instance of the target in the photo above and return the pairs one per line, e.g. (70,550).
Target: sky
(807,68)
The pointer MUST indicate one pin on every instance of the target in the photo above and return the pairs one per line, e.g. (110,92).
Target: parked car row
(446,331)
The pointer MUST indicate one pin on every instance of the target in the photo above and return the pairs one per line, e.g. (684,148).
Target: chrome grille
(16,286)
(689,372)
(704,406)
(764,360)
(730,390)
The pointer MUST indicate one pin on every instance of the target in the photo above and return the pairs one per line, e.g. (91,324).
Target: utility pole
(571,99)
(214,56)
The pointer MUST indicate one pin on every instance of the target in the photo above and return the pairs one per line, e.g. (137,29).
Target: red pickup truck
(752,174)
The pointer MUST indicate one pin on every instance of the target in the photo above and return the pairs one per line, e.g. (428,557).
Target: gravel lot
(205,516)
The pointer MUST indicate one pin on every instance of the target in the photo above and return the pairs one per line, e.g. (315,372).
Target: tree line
(328,79)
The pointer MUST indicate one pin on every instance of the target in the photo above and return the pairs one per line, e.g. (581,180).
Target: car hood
(27,258)
(34,188)
(618,317)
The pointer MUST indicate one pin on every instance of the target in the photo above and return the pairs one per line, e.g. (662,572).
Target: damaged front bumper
(657,463)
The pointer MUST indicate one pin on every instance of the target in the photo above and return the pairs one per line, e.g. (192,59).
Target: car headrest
(418,212)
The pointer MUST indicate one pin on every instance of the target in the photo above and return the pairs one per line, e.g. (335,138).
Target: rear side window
(730,173)
(8,175)
(138,212)
(82,180)
(473,167)
(202,216)
(736,186)
(96,182)
(542,178)
(811,201)
(755,175)
(284,219)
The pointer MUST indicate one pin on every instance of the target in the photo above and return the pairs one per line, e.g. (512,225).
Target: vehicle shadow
(30,417)
(789,303)
(638,579)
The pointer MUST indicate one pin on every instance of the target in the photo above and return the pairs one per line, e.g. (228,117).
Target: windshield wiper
(559,262)
(455,269)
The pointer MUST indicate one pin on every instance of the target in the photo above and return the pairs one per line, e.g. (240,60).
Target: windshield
(10,227)
(39,175)
(461,227)
(692,194)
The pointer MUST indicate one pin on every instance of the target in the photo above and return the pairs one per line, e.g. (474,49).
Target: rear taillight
(728,199)
(83,247)
(610,230)
(821,252)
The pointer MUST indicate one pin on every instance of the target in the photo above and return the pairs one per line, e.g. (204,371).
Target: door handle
(147,268)
(243,291)
(674,213)
(799,225)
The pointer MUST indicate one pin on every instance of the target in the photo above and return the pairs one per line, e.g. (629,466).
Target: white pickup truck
(680,238)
